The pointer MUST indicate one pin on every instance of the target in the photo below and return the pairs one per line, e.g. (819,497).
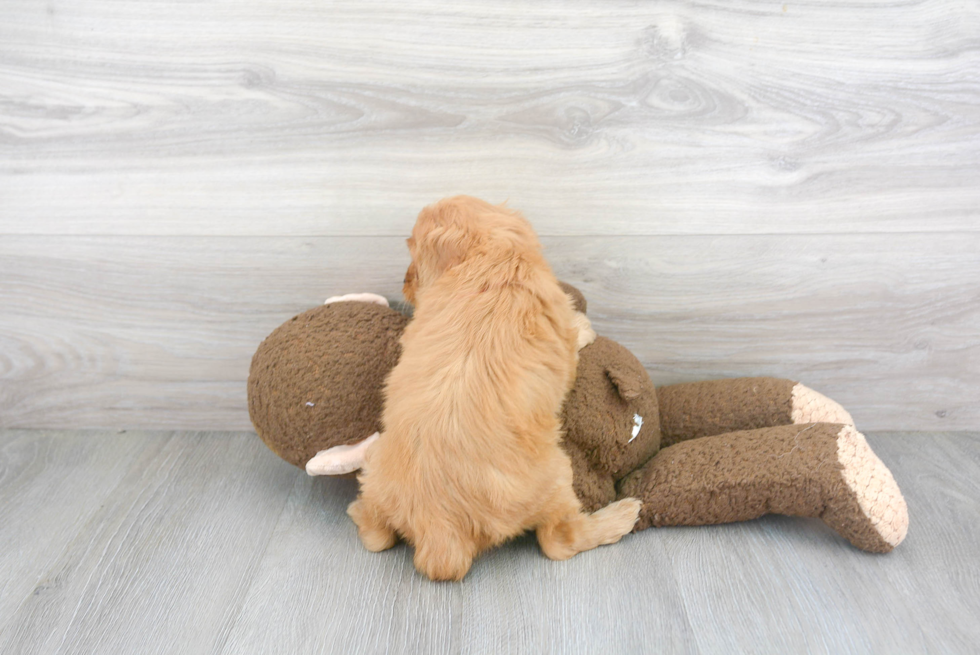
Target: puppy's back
(474,399)
(470,454)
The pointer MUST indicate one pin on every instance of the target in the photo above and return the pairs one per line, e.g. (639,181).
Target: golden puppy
(470,453)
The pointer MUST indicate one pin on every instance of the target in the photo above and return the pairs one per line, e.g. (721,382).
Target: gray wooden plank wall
(740,188)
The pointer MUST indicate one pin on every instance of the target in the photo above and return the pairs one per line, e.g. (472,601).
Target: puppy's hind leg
(372,527)
(569,531)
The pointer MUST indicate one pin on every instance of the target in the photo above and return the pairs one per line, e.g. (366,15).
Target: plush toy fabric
(694,454)
(316,381)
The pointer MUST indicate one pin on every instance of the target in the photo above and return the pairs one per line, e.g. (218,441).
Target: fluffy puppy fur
(470,453)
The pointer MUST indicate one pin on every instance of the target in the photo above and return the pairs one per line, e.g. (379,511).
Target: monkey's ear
(626,384)
(578,300)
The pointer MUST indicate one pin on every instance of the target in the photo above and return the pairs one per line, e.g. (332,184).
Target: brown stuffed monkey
(694,454)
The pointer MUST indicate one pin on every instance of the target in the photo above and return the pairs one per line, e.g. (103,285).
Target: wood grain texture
(947,471)
(47,495)
(741,188)
(301,117)
(211,544)
(167,555)
(159,332)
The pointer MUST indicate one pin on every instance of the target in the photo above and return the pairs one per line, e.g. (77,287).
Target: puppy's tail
(578,532)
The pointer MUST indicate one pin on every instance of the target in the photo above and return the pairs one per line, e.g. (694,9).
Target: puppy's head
(454,229)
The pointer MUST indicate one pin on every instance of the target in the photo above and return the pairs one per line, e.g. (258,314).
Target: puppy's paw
(618,518)
(374,531)
(586,334)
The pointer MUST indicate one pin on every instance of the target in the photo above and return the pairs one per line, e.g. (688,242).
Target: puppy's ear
(441,239)
(627,385)
(444,246)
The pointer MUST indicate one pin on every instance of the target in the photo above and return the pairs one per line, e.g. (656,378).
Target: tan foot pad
(872,483)
(810,406)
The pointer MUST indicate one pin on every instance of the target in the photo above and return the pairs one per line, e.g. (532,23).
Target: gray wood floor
(205,542)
